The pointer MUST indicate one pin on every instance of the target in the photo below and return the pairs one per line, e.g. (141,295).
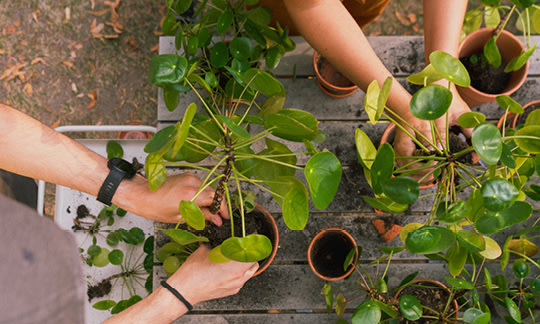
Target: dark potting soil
(485,77)
(329,254)
(523,117)
(432,296)
(99,290)
(457,143)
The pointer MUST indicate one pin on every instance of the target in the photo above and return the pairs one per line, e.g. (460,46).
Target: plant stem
(504,20)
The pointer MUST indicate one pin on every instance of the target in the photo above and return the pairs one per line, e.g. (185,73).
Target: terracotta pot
(274,237)
(433,283)
(509,47)
(327,252)
(388,137)
(330,80)
(512,118)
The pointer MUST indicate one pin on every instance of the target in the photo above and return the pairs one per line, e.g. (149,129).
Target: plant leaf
(323,175)
(402,189)
(509,104)
(183,237)
(519,61)
(450,68)
(292,124)
(167,69)
(426,76)
(498,194)
(264,82)
(192,214)
(429,240)
(492,54)
(431,102)
(471,119)
(183,130)
(367,313)
(487,142)
(114,150)
(365,150)
(384,203)
(252,248)
(493,222)
(382,167)
(529,139)
(410,307)
(296,208)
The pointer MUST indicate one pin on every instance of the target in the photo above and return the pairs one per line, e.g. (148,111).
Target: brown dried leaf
(412,17)
(402,20)
(67,15)
(68,64)
(98,13)
(28,89)
(38,60)
(97,29)
(155,48)
(55,124)
(35,15)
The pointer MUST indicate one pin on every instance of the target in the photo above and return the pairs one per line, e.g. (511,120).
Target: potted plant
(413,300)
(233,99)
(496,60)
(328,251)
(330,80)
(223,41)
(471,202)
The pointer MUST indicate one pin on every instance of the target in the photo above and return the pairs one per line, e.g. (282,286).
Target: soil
(434,298)
(329,253)
(457,143)
(485,77)
(523,117)
(99,290)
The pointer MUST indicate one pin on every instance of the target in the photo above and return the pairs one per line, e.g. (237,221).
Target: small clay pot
(509,47)
(433,283)
(274,238)
(512,118)
(327,252)
(330,80)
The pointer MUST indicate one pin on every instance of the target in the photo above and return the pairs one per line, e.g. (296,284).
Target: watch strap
(109,186)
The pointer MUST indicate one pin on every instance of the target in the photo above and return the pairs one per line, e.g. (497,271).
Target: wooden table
(288,291)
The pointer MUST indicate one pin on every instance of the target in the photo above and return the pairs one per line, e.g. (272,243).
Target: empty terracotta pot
(327,253)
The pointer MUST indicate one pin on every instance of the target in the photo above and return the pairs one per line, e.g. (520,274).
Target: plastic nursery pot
(388,137)
(509,47)
(327,252)
(270,230)
(330,80)
(431,284)
(512,118)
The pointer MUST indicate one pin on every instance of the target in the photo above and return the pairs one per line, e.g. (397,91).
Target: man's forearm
(35,150)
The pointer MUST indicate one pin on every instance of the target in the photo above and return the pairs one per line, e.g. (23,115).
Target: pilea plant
(241,128)
(128,250)
(471,201)
(224,40)
(491,11)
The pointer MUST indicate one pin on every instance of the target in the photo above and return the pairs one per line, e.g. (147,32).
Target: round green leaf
(498,194)
(492,250)
(104,304)
(93,250)
(426,76)
(171,264)
(101,259)
(509,104)
(535,285)
(192,214)
(169,249)
(219,55)
(381,286)
(382,167)
(456,257)
(240,48)
(528,139)
(520,268)
(454,213)
(492,54)
(264,82)
(470,240)
(116,257)
(471,119)
(403,190)
(292,124)
(160,139)
(410,307)
(476,316)
(296,208)
(367,313)
(459,283)
(183,237)
(487,142)
(533,118)
(431,102)
(450,67)
(323,175)
(513,309)
(225,21)
(216,256)
(384,203)
(114,149)
(182,6)
(167,69)
(251,248)
(429,240)
(365,150)
(273,56)
(492,222)
(269,170)
(138,235)
(112,239)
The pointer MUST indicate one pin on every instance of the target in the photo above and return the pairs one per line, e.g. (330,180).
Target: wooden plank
(285,318)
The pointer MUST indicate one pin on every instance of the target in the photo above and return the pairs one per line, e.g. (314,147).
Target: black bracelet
(177,294)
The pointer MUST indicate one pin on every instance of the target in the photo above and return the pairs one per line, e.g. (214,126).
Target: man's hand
(200,279)
(162,204)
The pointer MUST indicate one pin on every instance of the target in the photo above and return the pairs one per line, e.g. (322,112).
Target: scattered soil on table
(430,295)
(99,290)
(485,77)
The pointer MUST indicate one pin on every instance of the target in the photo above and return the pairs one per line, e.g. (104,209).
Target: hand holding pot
(200,279)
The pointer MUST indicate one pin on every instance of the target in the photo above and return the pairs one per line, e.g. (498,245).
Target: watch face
(123,166)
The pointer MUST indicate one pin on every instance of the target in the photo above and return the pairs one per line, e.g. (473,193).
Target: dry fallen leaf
(99,13)
(93,96)
(55,124)
(28,89)
(155,48)
(412,17)
(36,14)
(402,20)
(67,15)
(74,87)
(38,60)
(68,64)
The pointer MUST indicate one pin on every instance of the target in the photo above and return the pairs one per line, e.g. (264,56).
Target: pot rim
(275,246)
(316,238)
(323,83)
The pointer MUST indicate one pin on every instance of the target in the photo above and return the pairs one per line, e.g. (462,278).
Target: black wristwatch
(119,169)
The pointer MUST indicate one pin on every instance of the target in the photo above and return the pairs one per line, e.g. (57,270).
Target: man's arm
(197,280)
(35,150)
